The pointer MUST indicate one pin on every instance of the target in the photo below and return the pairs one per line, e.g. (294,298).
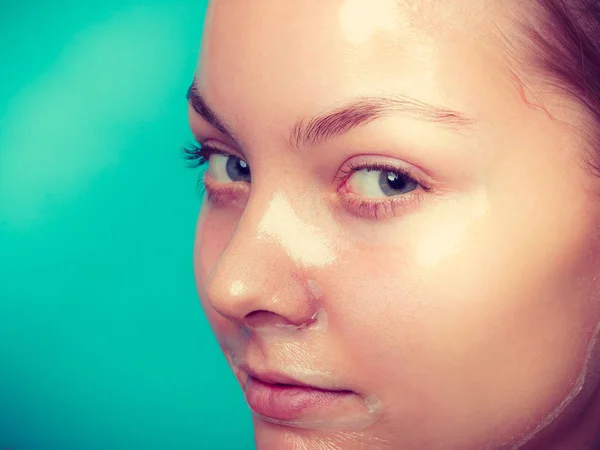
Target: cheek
(214,231)
(460,311)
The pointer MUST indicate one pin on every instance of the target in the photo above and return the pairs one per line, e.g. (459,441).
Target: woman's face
(392,215)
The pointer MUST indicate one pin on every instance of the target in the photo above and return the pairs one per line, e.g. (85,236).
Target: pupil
(238,170)
(396,181)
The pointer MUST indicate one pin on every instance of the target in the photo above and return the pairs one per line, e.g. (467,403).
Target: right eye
(225,168)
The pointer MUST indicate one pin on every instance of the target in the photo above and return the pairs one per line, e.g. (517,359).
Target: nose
(265,276)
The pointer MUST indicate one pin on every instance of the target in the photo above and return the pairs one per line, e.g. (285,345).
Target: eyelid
(218,147)
(235,194)
(384,207)
(208,150)
(383,163)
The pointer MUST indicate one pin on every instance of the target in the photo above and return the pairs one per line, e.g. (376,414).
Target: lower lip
(288,403)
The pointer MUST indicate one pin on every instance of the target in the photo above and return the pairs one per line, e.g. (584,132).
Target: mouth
(277,397)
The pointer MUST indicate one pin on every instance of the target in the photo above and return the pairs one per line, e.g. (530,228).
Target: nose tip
(254,295)
(261,278)
(259,303)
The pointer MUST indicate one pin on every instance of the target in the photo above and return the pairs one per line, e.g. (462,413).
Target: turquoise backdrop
(103,344)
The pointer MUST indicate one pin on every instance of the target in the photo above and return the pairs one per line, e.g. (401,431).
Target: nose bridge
(303,243)
(267,265)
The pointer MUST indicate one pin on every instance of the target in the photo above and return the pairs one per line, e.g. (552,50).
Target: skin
(469,314)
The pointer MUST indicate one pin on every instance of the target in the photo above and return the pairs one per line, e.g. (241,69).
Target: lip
(278,397)
(278,378)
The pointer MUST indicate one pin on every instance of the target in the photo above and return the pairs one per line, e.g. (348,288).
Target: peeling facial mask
(360,20)
(290,348)
(347,415)
(304,243)
(236,345)
(577,389)
(317,324)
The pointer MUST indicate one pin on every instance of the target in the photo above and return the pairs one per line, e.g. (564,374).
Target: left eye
(228,168)
(381,183)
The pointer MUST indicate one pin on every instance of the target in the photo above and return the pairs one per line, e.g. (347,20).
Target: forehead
(278,60)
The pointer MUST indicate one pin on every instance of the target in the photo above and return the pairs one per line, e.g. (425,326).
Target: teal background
(103,344)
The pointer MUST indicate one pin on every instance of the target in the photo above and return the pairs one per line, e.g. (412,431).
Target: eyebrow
(342,119)
(204,111)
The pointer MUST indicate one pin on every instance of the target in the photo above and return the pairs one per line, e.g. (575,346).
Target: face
(398,245)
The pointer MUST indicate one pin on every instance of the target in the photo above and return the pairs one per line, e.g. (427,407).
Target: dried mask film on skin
(304,243)
(570,398)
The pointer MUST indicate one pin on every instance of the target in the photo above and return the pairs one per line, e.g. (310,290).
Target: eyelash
(198,156)
(382,208)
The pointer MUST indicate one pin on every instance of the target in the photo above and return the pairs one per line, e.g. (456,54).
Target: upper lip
(279,378)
